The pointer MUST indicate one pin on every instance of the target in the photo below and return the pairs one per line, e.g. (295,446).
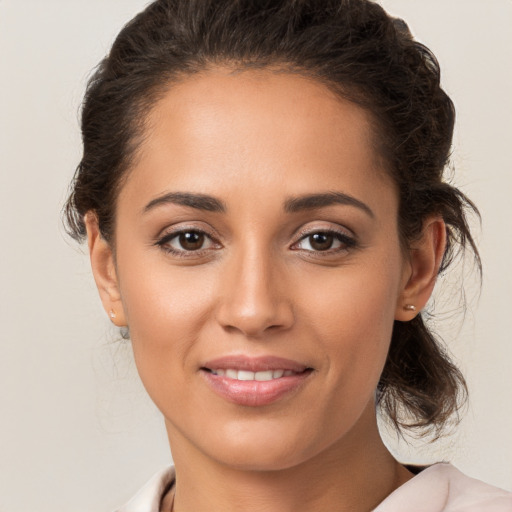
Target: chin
(257,461)
(262,450)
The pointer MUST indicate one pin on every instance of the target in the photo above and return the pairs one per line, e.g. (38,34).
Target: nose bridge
(252,296)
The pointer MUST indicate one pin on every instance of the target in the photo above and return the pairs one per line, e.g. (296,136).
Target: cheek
(159,297)
(352,318)
(166,308)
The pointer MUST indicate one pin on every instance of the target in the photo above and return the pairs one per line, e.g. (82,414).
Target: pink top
(439,488)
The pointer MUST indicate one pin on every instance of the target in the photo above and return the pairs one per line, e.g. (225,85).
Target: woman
(262,194)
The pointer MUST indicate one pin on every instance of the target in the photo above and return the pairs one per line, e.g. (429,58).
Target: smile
(248,375)
(255,381)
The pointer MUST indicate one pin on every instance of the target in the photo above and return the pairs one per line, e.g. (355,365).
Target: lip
(254,364)
(254,393)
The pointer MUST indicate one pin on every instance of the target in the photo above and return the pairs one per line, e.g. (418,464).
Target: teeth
(259,376)
(268,375)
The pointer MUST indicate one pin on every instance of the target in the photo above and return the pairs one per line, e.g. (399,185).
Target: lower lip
(254,393)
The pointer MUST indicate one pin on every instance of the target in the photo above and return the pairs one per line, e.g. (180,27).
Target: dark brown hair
(353,47)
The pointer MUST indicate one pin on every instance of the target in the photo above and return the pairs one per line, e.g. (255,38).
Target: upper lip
(254,364)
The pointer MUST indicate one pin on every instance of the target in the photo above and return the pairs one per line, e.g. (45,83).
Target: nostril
(256,321)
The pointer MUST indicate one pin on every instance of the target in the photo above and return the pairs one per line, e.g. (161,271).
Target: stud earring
(112,314)
(410,307)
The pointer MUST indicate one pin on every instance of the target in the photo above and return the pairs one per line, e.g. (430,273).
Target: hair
(351,46)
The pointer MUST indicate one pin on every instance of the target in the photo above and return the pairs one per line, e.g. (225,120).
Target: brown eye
(321,241)
(188,243)
(191,240)
(325,241)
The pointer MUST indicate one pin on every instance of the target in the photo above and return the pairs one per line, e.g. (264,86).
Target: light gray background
(76,429)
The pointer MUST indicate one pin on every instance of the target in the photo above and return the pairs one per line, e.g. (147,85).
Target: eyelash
(183,253)
(347,242)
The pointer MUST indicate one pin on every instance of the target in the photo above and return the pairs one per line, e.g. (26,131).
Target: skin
(253,140)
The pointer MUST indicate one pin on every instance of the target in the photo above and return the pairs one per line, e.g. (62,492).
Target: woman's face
(257,234)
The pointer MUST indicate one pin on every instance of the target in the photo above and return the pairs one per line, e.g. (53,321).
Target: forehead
(256,129)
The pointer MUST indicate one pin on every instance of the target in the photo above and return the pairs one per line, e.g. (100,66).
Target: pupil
(321,241)
(191,241)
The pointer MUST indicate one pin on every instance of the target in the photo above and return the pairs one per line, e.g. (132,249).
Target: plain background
(77,431)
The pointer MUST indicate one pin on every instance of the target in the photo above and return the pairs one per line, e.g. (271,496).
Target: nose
(253,300)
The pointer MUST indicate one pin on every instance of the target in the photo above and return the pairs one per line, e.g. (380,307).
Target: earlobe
(104,271)
(426,256)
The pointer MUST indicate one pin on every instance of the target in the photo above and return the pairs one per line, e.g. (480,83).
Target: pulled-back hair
(354,48)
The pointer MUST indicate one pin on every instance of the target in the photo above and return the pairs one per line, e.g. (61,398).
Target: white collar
(439,488)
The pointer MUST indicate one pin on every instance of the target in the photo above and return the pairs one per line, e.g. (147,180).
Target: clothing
(443,488)
(438,488)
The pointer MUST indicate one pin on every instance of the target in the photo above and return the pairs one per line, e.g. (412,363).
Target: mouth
(255,381)
(260,376)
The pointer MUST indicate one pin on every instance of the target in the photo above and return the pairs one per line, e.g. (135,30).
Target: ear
(426,255)
(104,271)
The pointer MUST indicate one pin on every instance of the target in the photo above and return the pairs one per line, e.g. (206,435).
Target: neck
(355,475)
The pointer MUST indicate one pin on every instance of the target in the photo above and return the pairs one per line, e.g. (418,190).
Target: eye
(186,241)
(318,242)
(323,241)
(190,240)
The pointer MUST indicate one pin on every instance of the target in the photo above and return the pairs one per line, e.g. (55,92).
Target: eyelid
(181,227)
(171,232)
(310,229)
(343,234)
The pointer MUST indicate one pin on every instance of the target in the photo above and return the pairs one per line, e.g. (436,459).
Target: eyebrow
(292,205)
(197,201)
(314,201)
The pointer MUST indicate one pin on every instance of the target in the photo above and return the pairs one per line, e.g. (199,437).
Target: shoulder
(149,497)
(443,488)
